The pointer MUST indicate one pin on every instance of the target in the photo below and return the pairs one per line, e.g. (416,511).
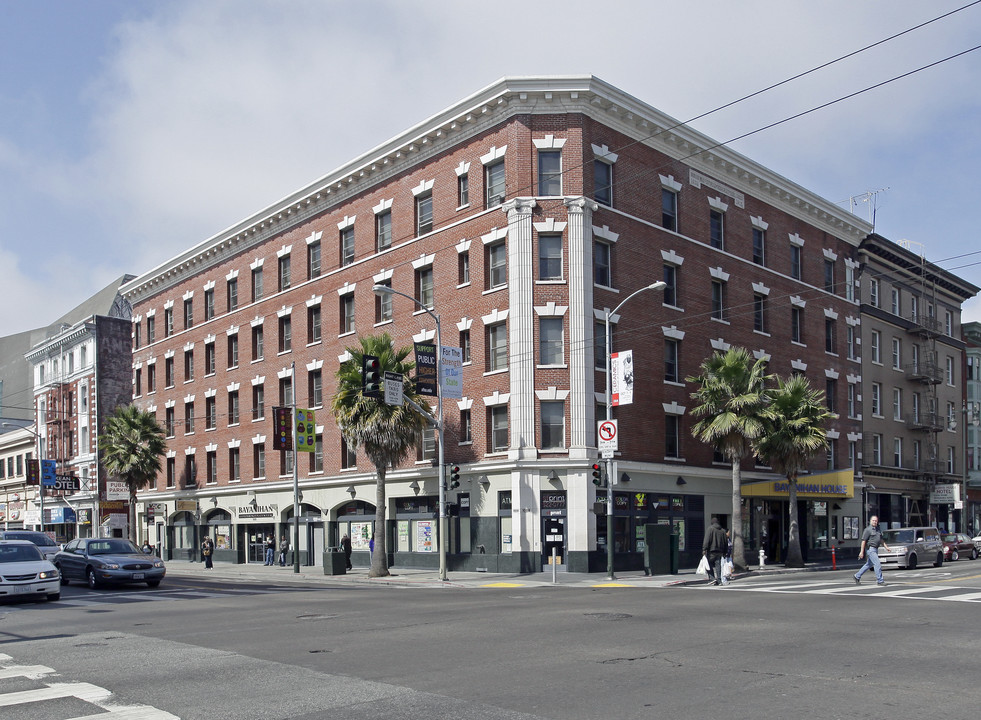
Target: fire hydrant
(762,558)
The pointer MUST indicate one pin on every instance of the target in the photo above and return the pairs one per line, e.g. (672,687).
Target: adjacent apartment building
(520,215)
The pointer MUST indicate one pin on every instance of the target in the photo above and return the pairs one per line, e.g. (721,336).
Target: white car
(24,573)
(977,542)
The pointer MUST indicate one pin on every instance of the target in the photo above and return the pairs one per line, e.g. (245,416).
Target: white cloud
(205,113)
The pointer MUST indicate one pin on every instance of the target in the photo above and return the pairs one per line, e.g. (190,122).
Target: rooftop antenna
(871,198)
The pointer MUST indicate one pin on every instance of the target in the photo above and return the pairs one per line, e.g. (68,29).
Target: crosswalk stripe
(969,597)
(33,672)
(139,712)
(912,593)
(82,691)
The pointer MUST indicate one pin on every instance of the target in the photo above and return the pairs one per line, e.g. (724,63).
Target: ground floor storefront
(504,517)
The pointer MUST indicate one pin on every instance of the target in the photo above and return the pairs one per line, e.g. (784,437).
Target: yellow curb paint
(612,585)
(503,584)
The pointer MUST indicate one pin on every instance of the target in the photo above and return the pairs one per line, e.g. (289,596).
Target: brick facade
(585,121)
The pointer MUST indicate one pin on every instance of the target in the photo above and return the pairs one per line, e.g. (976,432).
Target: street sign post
(607,438)
(393,388)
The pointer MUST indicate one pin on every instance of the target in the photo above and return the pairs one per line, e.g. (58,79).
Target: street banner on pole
(452,373)
(393,388)
(282,431)
(622,378)
(48,470)
(306,431)
(426,368)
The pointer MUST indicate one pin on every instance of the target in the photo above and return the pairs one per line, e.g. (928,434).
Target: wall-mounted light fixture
(214,501)
(681,481)
(553,476)
(352,491)
(414,486)
(624,478)
(836,506)
(485,481)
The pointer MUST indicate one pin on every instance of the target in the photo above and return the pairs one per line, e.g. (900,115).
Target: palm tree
(386,432)
(795,433)
(131,446)
(732,403)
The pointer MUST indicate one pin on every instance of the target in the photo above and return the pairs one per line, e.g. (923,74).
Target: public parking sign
(607,437)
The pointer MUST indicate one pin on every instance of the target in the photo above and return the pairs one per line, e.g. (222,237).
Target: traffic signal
(149,514)
(597,474)
(371,377)
(454,477)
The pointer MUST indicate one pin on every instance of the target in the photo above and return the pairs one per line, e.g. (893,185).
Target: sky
(130,132)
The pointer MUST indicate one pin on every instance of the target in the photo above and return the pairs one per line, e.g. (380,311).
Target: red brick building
(520,216)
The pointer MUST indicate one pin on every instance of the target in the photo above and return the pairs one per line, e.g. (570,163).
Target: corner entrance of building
(553,538)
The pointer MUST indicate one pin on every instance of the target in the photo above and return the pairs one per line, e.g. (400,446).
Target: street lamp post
(386,290)
(40,469)
(659,285)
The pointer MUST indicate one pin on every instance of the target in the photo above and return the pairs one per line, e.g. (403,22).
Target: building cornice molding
(489,107)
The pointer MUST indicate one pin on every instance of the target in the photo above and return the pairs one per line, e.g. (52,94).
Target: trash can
(334,561)
(658,556)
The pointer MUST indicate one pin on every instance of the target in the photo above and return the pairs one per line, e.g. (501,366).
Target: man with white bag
(714,548)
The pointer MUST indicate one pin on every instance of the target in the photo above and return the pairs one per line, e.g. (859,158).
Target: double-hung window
(424,214)
(494,184)
(549,172)
(549,257)
(347,246)
(603,183)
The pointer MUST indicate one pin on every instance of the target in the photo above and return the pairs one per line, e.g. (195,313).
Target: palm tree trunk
(738,549)
(132,514)
(794,556)
(379,556)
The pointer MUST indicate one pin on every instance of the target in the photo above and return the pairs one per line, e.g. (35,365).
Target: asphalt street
(207,645)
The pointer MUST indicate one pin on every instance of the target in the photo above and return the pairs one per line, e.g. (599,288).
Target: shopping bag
(703,567)
(727,567)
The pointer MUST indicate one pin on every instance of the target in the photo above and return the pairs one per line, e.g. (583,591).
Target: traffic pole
(834,562)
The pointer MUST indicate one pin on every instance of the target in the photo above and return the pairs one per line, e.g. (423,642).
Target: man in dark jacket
(714,548)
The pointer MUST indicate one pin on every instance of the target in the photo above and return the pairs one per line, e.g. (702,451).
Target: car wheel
(911,562)
(940,560)
(93,581)
(954,555)
(974,554)
(54,596)
(153,583)
(64,580)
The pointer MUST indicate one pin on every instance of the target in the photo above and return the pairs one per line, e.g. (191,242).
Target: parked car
(977,542)
(24,573)
(49,548)
(910,546)
(108,561)
(957,545)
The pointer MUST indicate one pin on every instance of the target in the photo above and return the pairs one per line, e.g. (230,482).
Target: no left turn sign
(606,432)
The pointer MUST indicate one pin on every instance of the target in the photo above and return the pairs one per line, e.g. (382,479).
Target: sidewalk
(410,577)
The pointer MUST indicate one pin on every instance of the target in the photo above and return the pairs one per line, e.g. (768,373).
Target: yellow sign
(840,484)
(306,430)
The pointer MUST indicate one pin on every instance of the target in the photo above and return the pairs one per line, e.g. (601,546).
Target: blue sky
(132,131)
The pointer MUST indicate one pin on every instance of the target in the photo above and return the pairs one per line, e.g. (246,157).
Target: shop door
(317,545)
(255,542)
(553,537)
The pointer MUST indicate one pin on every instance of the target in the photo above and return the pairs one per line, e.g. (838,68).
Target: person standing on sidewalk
(270,550)
(284,548)
(346,547)
(208,551)
(871,542)
(714,547)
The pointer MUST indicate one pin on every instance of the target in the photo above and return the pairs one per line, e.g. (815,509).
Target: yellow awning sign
(840,484)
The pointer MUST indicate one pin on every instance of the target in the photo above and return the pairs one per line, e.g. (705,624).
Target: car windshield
(113,547)
(36,538)
(897,536)
(19,553)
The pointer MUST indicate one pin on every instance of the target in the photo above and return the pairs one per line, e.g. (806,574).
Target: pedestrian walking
(270,550)
(346,547)
(871,542)
(714,547)
(207,552)
(284,548)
